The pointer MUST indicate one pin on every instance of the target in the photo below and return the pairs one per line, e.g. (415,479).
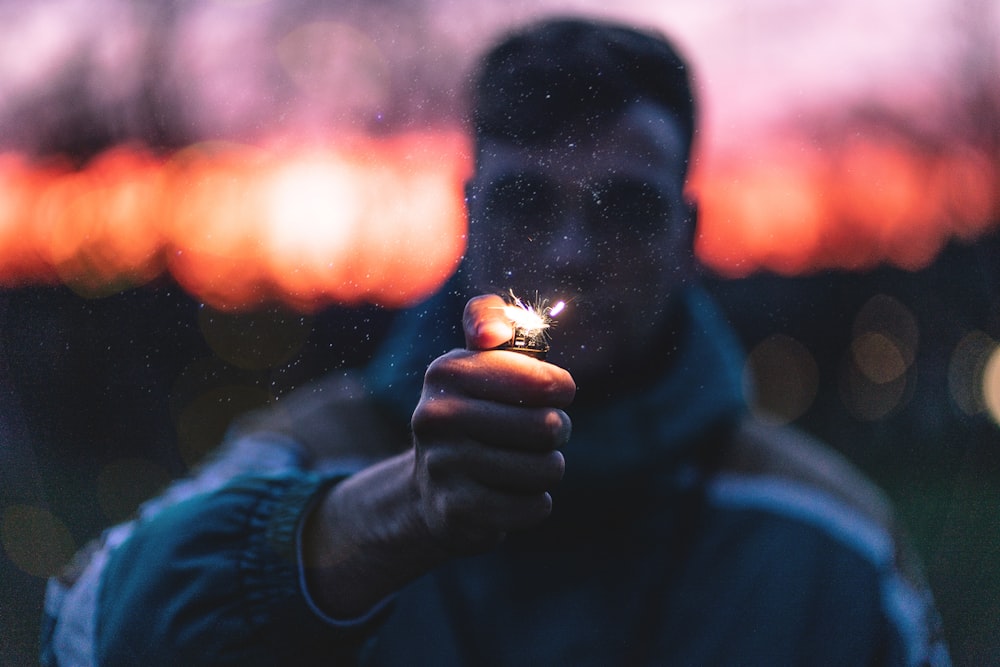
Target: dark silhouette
(415,512)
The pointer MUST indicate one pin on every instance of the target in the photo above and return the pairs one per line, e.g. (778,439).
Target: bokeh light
(801,204)
(885,338)
(991,384)
(382,220)
(254,341)
(782,379)
(377,220)
(878,357)
(123,484)
(966,371)
(868,400)
(202,422)
(91,226)
(35,540)
(875,376)
(345,183)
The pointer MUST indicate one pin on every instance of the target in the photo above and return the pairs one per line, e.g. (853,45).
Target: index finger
(486,326)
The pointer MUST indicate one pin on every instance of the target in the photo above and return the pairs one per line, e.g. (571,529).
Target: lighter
(529,326)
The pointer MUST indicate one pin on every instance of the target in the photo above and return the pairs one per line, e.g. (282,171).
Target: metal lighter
(529,326)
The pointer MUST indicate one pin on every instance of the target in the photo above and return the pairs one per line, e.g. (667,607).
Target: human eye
(635,204)
(520,199)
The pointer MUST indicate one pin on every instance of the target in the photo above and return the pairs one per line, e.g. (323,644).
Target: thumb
(486,326)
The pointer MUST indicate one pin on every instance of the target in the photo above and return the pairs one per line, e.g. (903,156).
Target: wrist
(365,539)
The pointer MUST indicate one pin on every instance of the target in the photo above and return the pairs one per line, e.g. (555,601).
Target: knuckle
(430,414)
(444,471)
(435,369)
(432,462)
(561,426)
(563,391)
(554,384)
(556,466)
(451,515)
(537,509)
(555,427)
(443,368)
(547,472)
(545,506)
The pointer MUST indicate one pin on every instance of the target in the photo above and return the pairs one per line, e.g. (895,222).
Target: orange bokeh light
(795,207)
(377,220)
(382,220)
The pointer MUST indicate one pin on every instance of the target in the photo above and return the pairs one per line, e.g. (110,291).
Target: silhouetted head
(552,75)
(583,137)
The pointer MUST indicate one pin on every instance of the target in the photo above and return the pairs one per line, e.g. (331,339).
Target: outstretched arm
(210,573)
(486,439)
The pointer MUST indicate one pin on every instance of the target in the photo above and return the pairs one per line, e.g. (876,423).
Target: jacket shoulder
(333,418)
(787,455)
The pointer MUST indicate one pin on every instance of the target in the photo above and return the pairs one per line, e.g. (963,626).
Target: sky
(314,152)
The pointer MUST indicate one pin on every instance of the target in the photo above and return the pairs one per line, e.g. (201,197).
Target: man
(416,513)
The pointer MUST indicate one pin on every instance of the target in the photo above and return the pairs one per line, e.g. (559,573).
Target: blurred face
(598,219)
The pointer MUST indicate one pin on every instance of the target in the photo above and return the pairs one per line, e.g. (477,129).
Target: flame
(531,319)
(526,318)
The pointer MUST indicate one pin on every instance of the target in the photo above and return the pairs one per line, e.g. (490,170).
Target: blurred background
(205,203)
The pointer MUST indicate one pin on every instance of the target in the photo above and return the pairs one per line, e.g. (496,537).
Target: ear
(688,232)
(690,224)
(470,192)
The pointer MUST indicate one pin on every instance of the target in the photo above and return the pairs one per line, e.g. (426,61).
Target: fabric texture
(679,536)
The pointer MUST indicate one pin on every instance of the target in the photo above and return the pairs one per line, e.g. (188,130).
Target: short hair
(550,75)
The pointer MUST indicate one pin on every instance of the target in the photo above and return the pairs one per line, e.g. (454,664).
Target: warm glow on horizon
(382,220)
(797,207)
(833,136)
(364,220)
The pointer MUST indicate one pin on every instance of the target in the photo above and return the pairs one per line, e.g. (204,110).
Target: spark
(529,324)
(531,318)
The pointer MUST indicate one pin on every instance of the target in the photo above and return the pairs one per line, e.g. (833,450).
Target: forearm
(366,539)
(486,437)
(213,580)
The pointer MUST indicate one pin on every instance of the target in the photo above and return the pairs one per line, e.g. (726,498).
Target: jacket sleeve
(216,580)
(209,573)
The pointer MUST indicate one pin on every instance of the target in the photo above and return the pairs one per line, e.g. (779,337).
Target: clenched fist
(487,433)
(486,437)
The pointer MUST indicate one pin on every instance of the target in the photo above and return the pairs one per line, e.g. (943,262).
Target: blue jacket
(684,534)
